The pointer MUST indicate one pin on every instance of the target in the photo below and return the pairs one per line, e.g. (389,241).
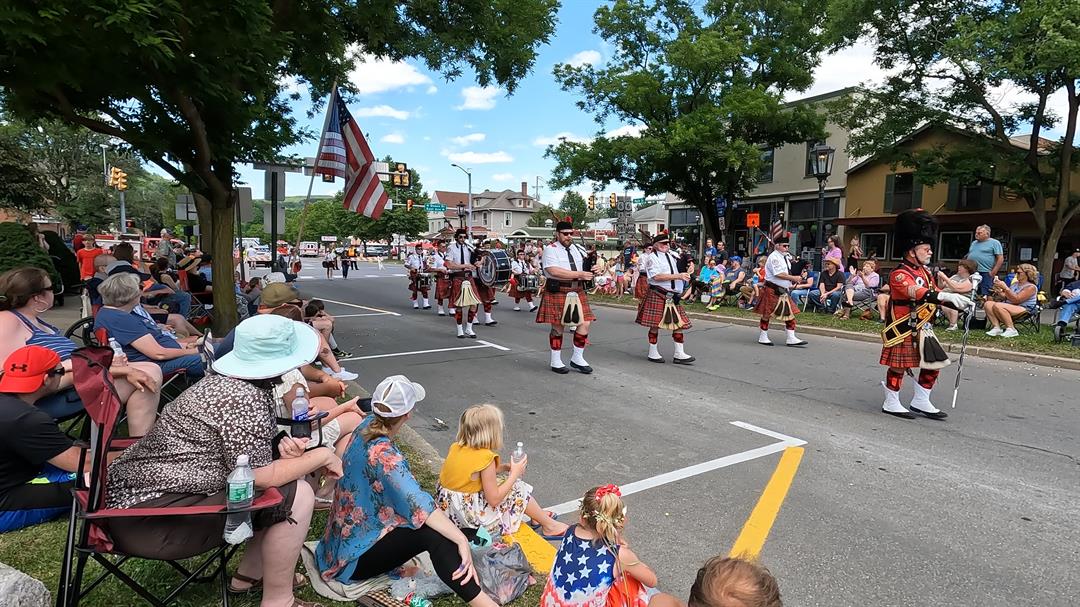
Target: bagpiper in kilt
(564,302)
(908,340)
(773,298)
(415,263)
(442,278)
(661,308)
(459,262)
